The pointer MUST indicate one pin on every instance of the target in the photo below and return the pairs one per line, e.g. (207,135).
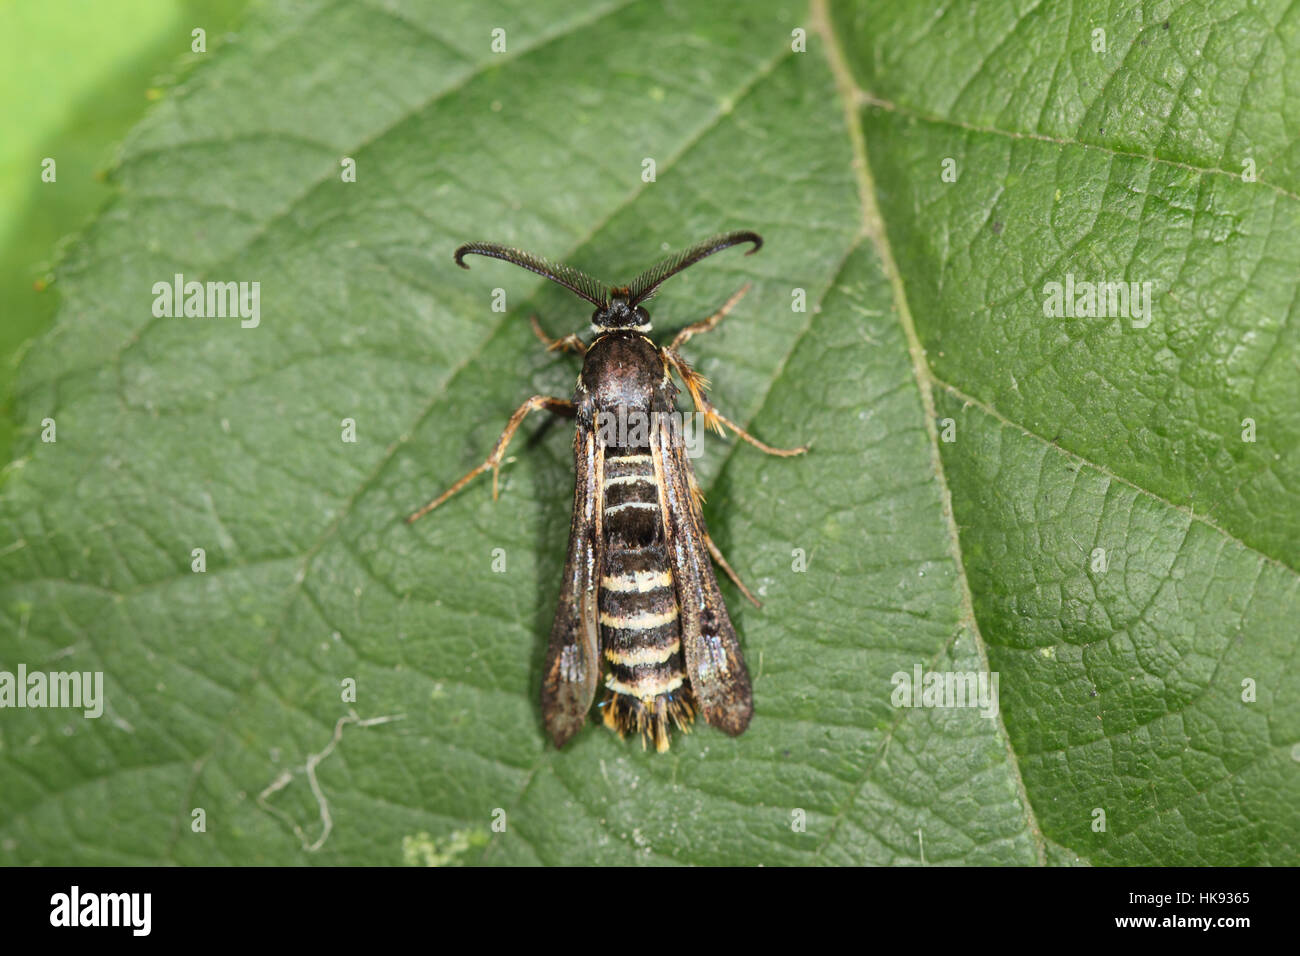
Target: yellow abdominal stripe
(638,581)
(643,621)
(628,480)
(637,505)
(642,655)
(646,688)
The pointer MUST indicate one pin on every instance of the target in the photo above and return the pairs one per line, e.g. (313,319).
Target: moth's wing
(573,655)
(714,664)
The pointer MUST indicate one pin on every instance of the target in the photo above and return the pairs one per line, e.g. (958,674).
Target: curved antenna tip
(645,285)
(579,283)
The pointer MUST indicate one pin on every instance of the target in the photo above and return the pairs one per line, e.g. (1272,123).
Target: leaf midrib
(854,100)
(873,226)
(863,98)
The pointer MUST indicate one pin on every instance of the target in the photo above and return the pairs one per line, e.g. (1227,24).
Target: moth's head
(617,307)
(620,313)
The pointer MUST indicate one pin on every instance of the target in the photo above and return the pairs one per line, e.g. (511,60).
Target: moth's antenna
(647,283)
(579,283)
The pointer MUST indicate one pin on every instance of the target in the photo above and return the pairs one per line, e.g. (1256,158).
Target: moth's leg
(705,324)
(696,384)
(722,563)
(570,343)
(561,406)
(768,449)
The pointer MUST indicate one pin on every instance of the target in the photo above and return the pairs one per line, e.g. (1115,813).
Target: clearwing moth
(639,599)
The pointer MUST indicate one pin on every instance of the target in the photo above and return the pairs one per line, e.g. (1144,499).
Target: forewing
(713,661)
(573,655)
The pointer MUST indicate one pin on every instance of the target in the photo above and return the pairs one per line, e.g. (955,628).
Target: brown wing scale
(573,655)
(714,664)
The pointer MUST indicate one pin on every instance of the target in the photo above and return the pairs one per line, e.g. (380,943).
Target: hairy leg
(561,406)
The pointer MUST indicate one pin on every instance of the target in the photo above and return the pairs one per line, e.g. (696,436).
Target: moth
(639,602)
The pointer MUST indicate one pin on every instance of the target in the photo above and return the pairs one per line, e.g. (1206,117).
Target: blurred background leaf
(76,76)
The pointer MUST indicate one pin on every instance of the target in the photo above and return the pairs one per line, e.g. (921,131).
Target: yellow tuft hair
(626,715)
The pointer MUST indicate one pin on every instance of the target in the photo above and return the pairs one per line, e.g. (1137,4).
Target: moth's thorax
(623,369)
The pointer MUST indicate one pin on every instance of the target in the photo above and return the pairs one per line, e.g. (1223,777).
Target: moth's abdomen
(640,629)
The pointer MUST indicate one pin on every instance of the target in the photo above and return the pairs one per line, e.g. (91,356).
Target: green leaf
(1121,690)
